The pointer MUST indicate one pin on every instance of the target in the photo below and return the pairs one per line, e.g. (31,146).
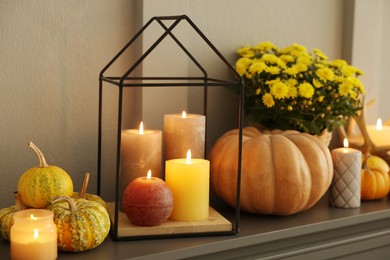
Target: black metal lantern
(129,80)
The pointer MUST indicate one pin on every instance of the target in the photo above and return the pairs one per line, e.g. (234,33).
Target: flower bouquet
(290,88)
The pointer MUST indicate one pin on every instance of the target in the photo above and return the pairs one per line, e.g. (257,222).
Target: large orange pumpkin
(283,172)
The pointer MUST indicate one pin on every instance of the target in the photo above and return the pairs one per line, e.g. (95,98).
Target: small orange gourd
(375,181)
(282,172)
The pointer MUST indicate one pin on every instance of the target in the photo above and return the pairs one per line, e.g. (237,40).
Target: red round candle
(147,201)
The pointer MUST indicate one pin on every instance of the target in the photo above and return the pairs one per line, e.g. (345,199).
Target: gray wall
(52,52)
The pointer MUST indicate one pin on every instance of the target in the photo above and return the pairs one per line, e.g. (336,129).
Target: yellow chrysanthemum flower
(287,58)
(265,46)
(306,90)
(325,74)
(320,54)
(345,88)
(273,81)
(240,68)
(292,92)
(244,50)
(257,67)
(279,90)
(317,83)
(301,67)
(242,65)
(268,100)
(338,63)
(293,71)
(347,71)
(270,58)
(339,79)
(307,60)
(292,82)
(274,70)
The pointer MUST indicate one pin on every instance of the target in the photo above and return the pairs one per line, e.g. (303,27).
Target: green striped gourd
(88,196)
(81,224)
(6,215)
(39,185)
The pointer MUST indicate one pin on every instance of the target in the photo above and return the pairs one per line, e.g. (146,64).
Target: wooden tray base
(215,223)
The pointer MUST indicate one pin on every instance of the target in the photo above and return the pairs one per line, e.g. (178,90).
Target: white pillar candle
(345,188)
(183,132)
(33,235)
(379,135)
(141,150)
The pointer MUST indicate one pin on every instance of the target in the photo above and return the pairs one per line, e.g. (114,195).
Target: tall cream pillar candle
(345,188)
(183,132)
(141,150)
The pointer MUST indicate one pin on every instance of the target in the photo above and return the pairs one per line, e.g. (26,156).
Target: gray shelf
(322,232)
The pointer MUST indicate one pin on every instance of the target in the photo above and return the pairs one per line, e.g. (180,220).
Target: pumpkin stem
(364,165)
(18,202)
(41,157)
(71,203)
(84,186)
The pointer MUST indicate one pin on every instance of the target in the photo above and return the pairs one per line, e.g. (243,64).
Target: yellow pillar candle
(188,180)
(33,235)
(141,150)
(182,132)
(379,135)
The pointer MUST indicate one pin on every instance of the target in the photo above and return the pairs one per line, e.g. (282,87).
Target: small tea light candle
(345,187)
(189,181)
(379,134)
(147,201)
(182,132)
(33,235)
(141,150)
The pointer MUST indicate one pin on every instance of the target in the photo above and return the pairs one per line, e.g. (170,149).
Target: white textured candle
(345,188)
(181,134)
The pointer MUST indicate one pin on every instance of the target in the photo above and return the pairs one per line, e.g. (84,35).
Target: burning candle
(379,134)
(33,235)
(189,181)
(140,151)
(182,132)
(147,201)
(345,188)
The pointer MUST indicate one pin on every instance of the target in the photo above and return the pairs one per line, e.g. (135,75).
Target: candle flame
(149,176)
(346,144)
(36,235)
(183,115)
(141,128)
(188,156)
(379,124)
